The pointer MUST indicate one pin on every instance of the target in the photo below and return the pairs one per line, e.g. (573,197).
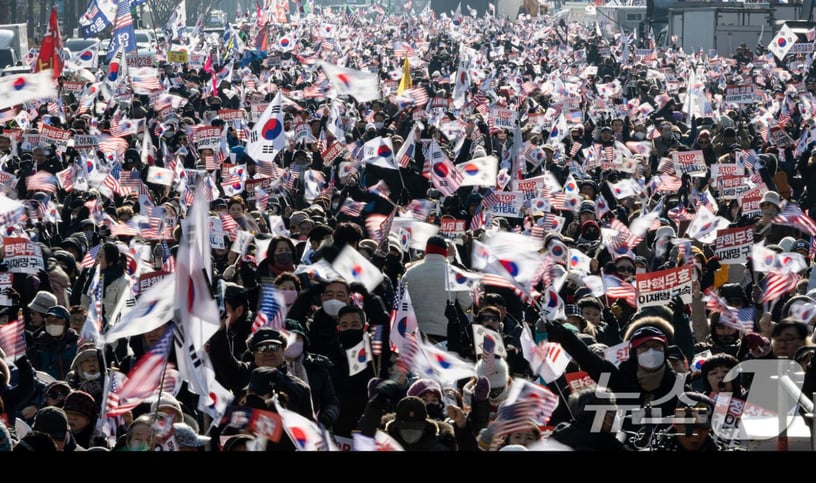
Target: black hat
(674,352)
(735,147)
(436,242)
(729,132)
(606,129)
(588,206)
(81,402)
(51,420)
(218,203)
(261,380)
(265,334)
(296,327)
(800,245)
(411,413)
(60,312)
(234,294)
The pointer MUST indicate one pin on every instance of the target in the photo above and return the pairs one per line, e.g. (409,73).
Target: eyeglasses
(268,348)
(625,269)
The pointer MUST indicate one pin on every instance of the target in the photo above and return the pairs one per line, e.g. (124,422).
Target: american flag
(352,208)
(776,285)
(489,200)
(42,181)
(145,376)
(624,238)
(112,183)
(12,339)
(377,339)
(144,83)
(90,257)
(517,416)
(271,308)
(729,316)
(419,95)
(168,260)
(229,224)
(66,179)
(791,214)
(619,289)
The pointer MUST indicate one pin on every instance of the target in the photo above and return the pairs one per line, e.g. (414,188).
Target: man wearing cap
(426,282)
(54,422)
(82,412)
(645,379)
(55,348)
(35,316)
(266,347)
(86,371)
(188,439)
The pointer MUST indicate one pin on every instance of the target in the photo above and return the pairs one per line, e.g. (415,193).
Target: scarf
(650,381)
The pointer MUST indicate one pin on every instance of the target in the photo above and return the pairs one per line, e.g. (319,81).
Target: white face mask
(651,359)
(333,306)
(640,270)
(54,330)
(91,376)
(639,135)
(289,296)
(293,350)
(378,124)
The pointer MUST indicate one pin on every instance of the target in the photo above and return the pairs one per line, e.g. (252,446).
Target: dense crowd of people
(530,234)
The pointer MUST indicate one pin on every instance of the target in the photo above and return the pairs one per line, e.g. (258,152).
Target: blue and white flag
(123,32)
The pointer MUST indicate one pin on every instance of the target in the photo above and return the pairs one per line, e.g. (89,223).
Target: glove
(451,313)
(388,390)
(609,317)
(481,389)
(758,345)
(325,419)
(485,437)
(229,272)
(555,332)
(677,305)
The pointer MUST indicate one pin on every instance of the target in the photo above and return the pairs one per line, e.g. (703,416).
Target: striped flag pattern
(90,257)
(791,214)
(776,285)
(145,376)
(271,308)
(617,288)
(352,208)
(12,339)
(168,260)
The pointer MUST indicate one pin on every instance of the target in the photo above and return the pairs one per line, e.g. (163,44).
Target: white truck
(13,43)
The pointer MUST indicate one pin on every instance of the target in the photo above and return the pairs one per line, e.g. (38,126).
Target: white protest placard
(659,288)
(56,136)
(731,187)
(216,231)
(86,142)
(207,137)
(617,353)
(231,114)
(256,110)
(689,162)
(503,118)
(510,204)
(740,94)
(727,169)
(6,279)
(734,245)
(21,255)
(750,202)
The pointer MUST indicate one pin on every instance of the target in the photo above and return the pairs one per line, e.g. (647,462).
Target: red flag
(50,47)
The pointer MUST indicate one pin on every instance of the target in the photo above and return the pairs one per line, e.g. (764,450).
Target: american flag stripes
(168,260)
(729,316)
(271,308)
(377,340)
(12,339)
(42,181)
(90,257)
(617,288)
(145,376)
(776,285)
(352,208)
(791,214)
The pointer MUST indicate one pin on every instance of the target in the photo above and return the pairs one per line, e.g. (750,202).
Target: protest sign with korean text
(734,244)
(659,288)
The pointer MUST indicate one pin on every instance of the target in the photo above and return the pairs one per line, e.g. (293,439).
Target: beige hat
(44,301)
(368,244)
(771,197)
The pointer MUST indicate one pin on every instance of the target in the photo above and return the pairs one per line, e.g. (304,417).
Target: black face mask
(350,338)
(729,339)
(435,411)
(283,259)
(393,262)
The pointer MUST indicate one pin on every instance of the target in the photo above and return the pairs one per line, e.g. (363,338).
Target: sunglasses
(268,348)
(625,269)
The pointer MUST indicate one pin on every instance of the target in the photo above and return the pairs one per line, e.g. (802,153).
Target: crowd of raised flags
(529,77)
